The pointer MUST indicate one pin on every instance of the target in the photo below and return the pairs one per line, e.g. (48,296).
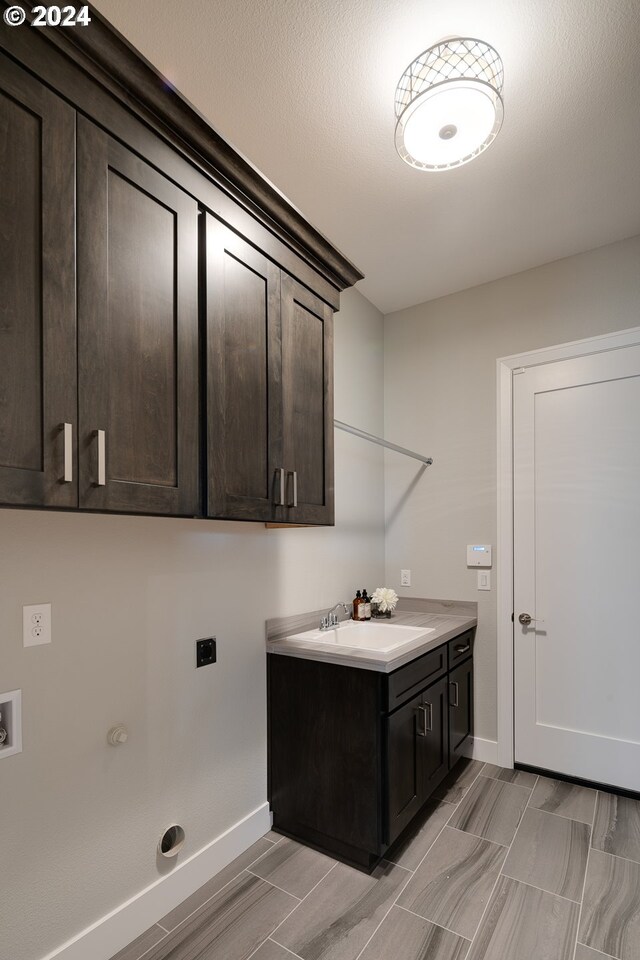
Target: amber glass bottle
(357,607)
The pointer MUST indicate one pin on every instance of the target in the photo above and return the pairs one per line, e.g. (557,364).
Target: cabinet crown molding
(107,54)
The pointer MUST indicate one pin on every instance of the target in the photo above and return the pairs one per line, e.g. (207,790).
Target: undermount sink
(381,637)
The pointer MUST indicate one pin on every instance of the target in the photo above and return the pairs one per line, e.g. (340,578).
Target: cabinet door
(405,747)
(460,709)
(435,742)
(137,333)
(246,478)
(37,294)
(307,383)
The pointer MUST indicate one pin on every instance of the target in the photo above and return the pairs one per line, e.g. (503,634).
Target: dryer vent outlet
(171,841)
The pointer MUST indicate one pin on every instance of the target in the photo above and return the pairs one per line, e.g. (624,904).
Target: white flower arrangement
(385,597)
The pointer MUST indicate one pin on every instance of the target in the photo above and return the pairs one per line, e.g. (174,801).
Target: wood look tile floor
(501,865)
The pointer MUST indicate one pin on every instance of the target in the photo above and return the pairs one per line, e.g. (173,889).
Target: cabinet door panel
(404,767)
(307,379)
(244,402)
(435,743)
(138,330)
(460,708)
(37,291)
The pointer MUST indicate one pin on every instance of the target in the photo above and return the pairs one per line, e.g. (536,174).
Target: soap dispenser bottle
(366,602)
(357,606)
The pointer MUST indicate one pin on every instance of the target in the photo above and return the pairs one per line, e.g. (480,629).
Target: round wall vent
(171,841)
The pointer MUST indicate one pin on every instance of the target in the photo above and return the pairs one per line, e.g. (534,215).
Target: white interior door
(576,450)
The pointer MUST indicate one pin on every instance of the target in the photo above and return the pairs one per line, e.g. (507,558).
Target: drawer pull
(461,649)
(454,684)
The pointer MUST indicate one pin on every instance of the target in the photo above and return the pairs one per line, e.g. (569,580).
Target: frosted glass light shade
(449,104)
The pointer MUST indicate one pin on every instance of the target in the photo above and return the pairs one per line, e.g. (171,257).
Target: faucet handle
(324,623)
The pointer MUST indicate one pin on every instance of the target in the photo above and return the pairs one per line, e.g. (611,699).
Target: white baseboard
(486,751)
(114,931)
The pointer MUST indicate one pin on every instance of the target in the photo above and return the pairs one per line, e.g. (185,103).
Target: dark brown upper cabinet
(269,388)
(307,388)
(105,176)
(37,294)
(137,333)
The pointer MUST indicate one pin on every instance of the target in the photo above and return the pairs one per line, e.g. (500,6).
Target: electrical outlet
(205,651)
(36,624)
(405,578)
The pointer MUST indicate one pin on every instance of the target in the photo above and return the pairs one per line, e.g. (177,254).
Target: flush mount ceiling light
(449,104)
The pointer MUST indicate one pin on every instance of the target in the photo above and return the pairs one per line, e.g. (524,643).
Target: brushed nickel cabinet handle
(462,649)
(422,714)
(281,473)
(68,452)
(102,466)
(429,724)
(455,685)
(294,475)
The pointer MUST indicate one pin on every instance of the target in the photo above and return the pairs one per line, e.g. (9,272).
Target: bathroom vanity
(360,738)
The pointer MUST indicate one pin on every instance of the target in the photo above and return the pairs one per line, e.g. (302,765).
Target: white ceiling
(305,90)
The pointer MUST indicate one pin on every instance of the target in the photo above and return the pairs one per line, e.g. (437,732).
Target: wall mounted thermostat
(479,555)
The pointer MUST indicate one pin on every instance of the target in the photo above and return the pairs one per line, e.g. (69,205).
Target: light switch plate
(36,624)
(484,580)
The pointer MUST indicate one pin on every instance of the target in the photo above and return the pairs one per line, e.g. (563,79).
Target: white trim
(504,572)
(11,706)
(486,751)
(117,929)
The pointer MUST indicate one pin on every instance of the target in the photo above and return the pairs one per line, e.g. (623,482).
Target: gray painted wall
(440,399)
(79,820)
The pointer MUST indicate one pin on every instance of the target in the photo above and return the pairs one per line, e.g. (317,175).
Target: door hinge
(512,618)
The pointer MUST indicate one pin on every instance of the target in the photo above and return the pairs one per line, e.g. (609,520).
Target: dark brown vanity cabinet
(38,392)
(269,388)
(354,753)
(416,738)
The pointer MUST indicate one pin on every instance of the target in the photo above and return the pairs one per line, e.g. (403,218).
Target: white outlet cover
(36,624)
(405,578)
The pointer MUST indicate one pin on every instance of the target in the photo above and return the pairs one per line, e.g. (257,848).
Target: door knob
(525,619)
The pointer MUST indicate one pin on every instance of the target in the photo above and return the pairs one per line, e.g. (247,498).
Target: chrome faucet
(330,620)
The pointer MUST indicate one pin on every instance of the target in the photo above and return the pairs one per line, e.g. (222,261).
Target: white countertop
(432,614)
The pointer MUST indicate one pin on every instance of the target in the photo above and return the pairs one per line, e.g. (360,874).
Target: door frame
(506,368)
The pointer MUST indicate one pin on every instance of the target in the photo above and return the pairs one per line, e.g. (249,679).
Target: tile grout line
(493,889)
(505,846)
(584,882)
(561,815)
(213,895)
(281,889)
(275,929)
(534,886)
(608,956)
(432,922)
(426,853)
(437,836)
(296,955)
(387,912)
(616,856)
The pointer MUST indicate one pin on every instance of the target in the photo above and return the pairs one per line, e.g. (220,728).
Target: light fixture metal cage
(451,61)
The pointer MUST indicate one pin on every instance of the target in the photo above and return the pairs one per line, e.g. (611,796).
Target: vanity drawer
(460,648)
(404,683)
